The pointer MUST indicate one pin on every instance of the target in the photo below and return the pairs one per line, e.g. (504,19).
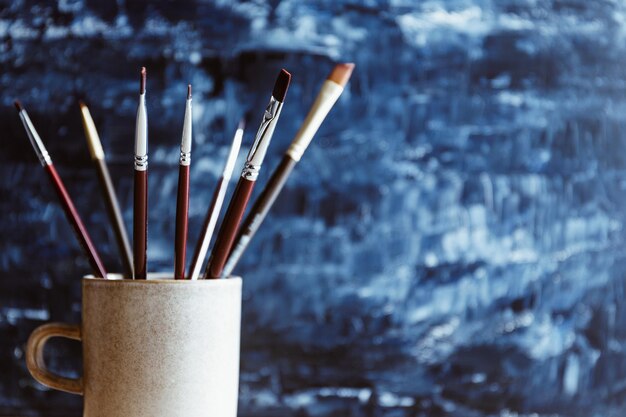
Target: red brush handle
(228,230)
(140,224)
(182,210)
(76,222)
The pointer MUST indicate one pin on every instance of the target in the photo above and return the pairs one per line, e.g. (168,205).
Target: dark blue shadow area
(452,243)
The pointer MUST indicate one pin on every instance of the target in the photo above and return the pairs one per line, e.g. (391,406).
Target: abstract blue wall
(452,243)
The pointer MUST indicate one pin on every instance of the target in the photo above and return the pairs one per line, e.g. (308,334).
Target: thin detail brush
(182,200)
(66,202)
(108,190)
(140,206)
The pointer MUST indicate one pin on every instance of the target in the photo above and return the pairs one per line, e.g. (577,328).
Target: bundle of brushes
(233,236)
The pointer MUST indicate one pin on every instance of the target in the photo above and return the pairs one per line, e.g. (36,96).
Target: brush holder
(155,348)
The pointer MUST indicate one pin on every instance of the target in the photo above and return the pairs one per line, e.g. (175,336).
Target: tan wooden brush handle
(35,362)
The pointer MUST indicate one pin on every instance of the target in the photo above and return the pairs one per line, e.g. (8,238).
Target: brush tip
(142,81)
(18,105)
(281,86)
(341,73)
(242,124)
(188,91)
(81,104)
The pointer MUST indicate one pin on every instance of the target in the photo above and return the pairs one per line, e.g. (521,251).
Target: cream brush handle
(326,98)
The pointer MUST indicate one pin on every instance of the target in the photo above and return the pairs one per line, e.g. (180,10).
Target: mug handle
(35,362)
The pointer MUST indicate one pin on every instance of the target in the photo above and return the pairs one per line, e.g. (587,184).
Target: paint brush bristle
(142,82)
(281,86)
(188,91)
(341,73)
(18,105)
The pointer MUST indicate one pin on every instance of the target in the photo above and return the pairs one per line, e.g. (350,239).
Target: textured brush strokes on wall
(452,243)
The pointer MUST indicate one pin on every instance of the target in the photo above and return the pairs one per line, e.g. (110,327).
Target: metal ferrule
(141,162)
(251,172)
(185,144)
(264,135)
(185,158)
(35,140)
(141,136)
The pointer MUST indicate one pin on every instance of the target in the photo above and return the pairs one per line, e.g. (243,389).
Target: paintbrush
(182,200)
(66,202)
(108,191)
(249,175)
(213,213)
(326,98)
(140,206)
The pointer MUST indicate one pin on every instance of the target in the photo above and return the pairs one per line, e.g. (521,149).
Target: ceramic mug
(155,348)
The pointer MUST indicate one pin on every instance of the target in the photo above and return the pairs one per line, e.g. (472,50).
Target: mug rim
(163,278)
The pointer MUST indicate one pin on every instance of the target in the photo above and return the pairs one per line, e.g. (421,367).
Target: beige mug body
(153,348)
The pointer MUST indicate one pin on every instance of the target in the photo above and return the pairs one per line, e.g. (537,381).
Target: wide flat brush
(249,175)
(215,207)
(326,98)
(66,202)
(108,190)
(182,200)
(140,194)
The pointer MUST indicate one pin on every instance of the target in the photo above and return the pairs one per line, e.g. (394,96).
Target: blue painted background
(452,243)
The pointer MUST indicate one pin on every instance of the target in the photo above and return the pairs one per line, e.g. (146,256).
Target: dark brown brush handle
(182,209)
(261,207)
(76,222)
(228,230)
(115,216)
(140,224)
